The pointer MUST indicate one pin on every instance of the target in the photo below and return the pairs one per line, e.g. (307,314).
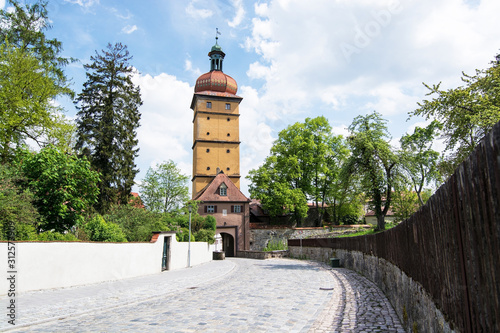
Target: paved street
(234,295)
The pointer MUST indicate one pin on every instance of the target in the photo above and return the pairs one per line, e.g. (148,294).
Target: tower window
(208,168)
(228,106)
(228,119)
(228,151)
(208,133)
(228,134)
(208,150)
(209,105)
(208,118)
(228,169)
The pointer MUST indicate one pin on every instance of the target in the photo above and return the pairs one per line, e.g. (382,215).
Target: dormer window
(223,190)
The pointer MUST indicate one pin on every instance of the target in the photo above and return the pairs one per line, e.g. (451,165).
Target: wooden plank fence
(451,246)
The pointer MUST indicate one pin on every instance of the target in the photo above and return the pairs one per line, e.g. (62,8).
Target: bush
(349,219)
(138,224)
(210,223)
(276,245)
(183,235)
(205,235)
(98,230)
(56,236)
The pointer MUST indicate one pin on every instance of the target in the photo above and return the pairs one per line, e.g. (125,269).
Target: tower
(216,145)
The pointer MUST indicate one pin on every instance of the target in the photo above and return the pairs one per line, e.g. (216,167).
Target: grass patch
(276,245)
(370,231)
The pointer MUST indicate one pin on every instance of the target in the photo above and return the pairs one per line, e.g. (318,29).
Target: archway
(227,244)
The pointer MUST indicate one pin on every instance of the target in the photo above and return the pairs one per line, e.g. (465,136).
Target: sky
(292,59)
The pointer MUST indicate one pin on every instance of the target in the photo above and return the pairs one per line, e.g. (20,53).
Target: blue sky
(292,59)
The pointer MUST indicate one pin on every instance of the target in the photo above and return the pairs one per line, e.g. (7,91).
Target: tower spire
(216,35)
(216,55)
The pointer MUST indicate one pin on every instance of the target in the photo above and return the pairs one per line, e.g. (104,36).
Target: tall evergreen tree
(108,116)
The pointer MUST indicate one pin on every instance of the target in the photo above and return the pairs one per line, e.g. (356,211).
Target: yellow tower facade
(216,137)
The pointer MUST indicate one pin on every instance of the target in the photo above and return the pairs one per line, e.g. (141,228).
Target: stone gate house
(224,201)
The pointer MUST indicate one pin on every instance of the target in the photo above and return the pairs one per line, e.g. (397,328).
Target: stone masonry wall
(412,303)
(260,237)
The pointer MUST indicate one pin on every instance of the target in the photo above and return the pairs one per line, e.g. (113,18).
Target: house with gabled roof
(231,209)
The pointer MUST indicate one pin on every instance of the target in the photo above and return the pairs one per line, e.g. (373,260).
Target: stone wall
(259,237)
(414,306)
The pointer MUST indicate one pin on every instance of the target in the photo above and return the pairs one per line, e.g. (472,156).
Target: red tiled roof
(211,192)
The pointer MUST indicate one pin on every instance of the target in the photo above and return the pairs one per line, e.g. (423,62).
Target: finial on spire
(216,35)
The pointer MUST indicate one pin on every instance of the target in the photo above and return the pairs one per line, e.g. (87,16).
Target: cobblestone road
(234,295)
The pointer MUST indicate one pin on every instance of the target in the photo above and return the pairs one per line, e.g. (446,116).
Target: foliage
(64,187)
(183,235)
(369,231)
(373,160)
(26,96)
(98,230)
(25,28)
(138,224)
(18,216)
(419,163)
(164,189)
(108,116)
(467,113)
(304,164)
(205,235)
(56,236)
(276,245)
(210,223)
(406,202)
(349,219)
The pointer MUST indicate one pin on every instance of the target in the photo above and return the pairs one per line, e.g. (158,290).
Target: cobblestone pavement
(234,295)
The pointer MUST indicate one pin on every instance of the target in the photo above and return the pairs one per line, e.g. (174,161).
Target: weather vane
(216,34)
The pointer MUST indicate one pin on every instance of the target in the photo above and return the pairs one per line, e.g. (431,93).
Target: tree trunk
(381,222)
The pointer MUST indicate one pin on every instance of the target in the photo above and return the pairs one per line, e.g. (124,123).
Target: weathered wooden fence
(451,246)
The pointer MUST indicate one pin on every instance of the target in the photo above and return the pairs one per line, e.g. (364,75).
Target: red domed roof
(216,81)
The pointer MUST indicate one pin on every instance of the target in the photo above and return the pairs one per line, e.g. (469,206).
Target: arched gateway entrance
(227,244)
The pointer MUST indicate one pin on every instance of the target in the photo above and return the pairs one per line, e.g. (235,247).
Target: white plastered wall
(45,265)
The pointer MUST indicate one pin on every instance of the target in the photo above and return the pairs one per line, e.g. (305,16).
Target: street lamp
(190,208)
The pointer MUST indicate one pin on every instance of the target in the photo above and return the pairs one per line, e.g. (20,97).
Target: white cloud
(129,29)
(240,13)
(83,3)
(166,130)
(188,66)
(398,45)
(2,4)
(198,13)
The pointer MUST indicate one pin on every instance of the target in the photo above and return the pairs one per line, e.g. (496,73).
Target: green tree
(374,160)
(419,162)
(98,230)
(275,193)
(18,216)
(138,224)
(25,29)
(64,185)
(164,188)
(108,116)
(467,113)
(301,167)
(26,94)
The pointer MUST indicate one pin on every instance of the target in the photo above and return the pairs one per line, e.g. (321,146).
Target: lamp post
(190,208)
